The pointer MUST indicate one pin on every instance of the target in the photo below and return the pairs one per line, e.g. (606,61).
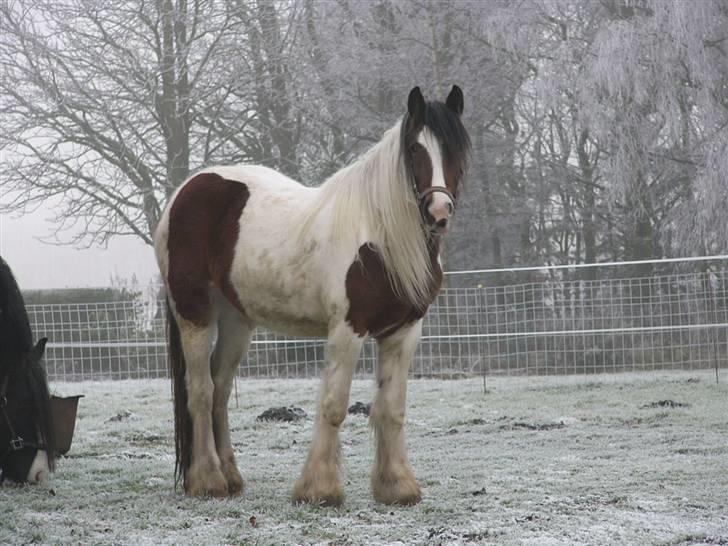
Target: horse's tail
(182,418)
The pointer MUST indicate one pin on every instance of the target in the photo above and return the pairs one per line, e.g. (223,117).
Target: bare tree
(104,107)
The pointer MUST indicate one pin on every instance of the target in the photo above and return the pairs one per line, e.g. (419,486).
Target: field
(617,459)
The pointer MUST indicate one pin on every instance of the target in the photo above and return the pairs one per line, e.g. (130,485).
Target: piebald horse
(242,246)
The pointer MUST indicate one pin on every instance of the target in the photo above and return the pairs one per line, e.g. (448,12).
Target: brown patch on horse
(421,165)
(203,232)
(374,306)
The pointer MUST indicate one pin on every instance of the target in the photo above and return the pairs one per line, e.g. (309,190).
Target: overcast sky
(40,265)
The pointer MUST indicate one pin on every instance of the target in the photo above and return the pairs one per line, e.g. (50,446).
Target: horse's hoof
(235,483)
(213,484)
(308,495)
(405,500)
(207,491)
(402,492)
(235,486)
(334,500)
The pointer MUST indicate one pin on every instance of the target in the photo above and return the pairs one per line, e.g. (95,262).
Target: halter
(421,196)
(17,442)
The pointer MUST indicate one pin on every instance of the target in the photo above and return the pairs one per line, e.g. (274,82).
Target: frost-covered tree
(650,92)
(622,122)
(598,126)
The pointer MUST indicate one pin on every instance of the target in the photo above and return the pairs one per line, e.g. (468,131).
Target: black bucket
(64,411)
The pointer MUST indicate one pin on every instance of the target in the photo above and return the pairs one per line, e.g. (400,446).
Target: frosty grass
(580,460)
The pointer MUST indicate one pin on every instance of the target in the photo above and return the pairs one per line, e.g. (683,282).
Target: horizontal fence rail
(553,326)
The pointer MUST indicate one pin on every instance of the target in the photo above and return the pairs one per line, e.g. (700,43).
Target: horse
(357,257)
(26,424)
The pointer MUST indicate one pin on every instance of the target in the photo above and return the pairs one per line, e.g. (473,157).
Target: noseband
(421,196)
(17,442)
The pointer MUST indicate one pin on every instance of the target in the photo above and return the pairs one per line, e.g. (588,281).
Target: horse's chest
(374,307)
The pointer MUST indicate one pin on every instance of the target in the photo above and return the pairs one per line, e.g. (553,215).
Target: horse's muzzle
(437,212)
(39,469)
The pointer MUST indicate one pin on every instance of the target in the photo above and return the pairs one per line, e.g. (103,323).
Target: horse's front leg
(319,480)
(393,481)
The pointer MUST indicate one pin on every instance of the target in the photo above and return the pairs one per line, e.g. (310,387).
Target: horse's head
(26,428)
(436,148)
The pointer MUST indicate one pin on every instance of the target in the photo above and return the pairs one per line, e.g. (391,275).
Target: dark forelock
(449,130)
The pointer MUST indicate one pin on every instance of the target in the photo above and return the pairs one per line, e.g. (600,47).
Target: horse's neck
(371,193)
(371,201)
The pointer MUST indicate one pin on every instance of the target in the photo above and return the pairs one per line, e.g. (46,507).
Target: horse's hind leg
(204,476)
(233,339)
(393,481)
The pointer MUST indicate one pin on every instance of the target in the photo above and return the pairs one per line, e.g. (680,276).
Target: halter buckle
(17,443)
(3,401)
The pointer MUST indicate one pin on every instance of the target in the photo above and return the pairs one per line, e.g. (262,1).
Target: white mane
(373,196)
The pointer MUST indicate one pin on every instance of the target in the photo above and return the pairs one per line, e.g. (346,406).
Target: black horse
(26,427)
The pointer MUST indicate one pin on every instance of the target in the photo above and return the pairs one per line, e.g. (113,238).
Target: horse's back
(15,335)
(259,176)
(216,198)
(238,229)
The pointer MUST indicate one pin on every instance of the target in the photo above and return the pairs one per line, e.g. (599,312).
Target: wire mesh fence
(553,326)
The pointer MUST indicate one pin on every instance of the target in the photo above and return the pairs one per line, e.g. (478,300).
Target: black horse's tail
(182,418)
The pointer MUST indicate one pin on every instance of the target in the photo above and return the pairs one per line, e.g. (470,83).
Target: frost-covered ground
(535,461)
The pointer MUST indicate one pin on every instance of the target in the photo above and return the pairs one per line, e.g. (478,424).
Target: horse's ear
(416,107)
(455,100)
(37,351)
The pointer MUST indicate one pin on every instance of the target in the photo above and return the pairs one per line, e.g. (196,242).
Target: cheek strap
(16,441)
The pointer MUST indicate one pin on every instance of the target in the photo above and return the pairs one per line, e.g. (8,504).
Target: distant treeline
(77,295)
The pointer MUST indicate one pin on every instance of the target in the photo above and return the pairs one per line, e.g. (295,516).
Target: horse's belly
(288,323)
(284,303)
